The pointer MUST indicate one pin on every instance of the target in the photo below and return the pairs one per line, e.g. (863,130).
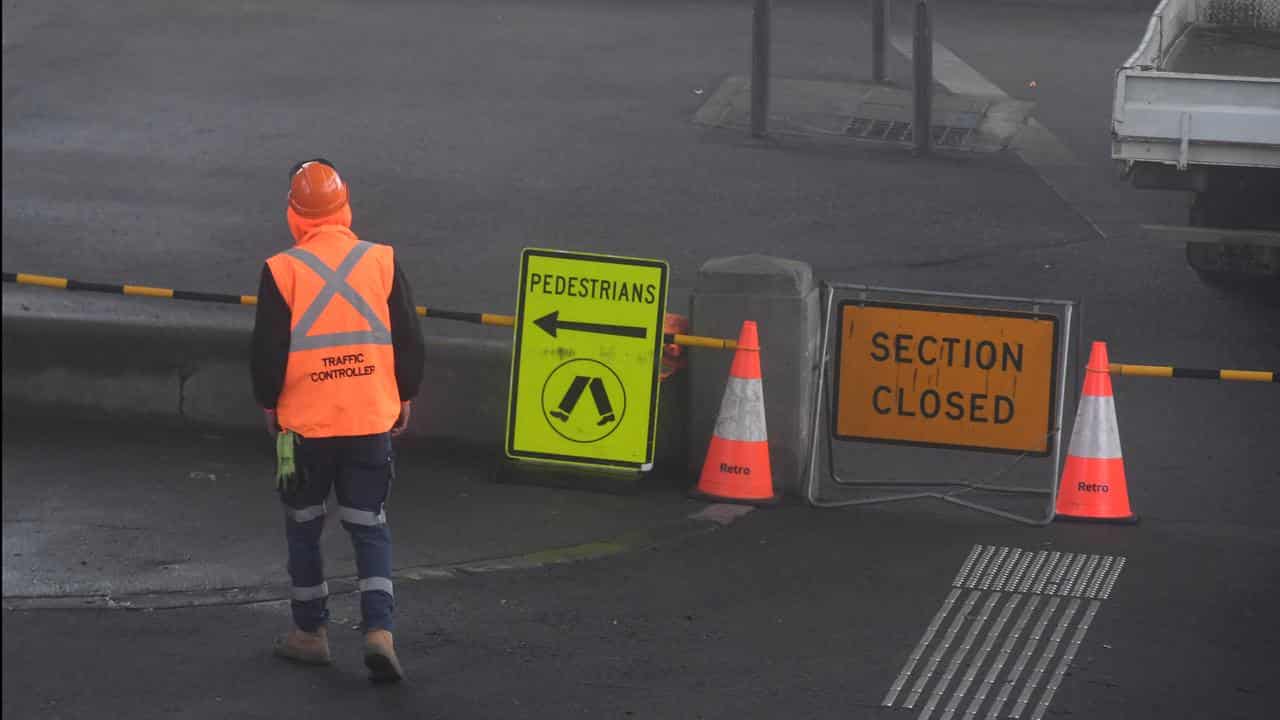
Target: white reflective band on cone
(306,514)
(376,583)
(742,412)
(361,517)
(315,592)
(1096,433)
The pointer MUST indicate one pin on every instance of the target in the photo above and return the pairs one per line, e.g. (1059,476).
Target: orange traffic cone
(737,465)
(1093,485)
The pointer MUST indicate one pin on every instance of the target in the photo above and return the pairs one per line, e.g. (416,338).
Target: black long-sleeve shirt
(269,351)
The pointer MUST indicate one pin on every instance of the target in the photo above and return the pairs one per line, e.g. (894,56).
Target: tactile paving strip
(941,675)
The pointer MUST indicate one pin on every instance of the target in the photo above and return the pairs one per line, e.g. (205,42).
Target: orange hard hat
(315,189)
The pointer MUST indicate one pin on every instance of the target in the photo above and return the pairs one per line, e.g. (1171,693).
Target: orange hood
(301,227)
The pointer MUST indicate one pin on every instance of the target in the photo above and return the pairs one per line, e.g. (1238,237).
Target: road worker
(337,356)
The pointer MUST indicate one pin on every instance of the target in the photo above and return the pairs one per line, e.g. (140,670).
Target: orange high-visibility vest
(340,380)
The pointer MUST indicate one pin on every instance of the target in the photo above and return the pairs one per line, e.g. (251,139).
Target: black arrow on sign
(551,322)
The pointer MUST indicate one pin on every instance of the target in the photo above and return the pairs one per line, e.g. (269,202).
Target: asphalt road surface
(786,613)
(146,143)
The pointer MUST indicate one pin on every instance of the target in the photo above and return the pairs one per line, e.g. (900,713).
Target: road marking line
(1111,580)
(1023,658)
(1067,657)
(980,658)
(958,657)
(1080,578)
(1042,569)
(997,570)
(920,647)
(952,630)
(976,575)
(1086,577)
(1040,579)
(968,563)
(1033,571)
(1063,570)
(1001,658)
(1050,649)
(1015,580)
(918,651)
(1100,577)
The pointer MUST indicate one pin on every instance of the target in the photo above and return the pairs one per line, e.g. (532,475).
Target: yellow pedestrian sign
(584,369)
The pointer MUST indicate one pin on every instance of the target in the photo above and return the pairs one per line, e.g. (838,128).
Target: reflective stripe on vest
(335,283)
(340,376)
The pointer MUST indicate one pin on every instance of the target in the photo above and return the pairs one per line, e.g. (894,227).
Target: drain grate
(897,131)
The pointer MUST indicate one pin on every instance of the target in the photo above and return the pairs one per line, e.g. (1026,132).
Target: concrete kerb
(170,361)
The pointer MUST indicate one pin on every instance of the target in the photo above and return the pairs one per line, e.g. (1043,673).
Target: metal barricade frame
(1065,311)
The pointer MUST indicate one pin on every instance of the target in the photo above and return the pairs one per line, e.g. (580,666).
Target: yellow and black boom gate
(474,318)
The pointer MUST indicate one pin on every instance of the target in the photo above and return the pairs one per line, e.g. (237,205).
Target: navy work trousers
(360,470)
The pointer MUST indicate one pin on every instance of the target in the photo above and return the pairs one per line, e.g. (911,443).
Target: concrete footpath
(113,515)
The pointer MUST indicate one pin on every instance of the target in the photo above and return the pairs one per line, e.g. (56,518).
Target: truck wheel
(1216,279)
(1237,267)
(1205,258)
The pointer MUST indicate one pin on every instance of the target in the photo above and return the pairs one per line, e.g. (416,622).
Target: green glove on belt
(286,467)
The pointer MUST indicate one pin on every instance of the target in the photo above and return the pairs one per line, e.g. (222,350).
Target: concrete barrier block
(782,297)
(672,454)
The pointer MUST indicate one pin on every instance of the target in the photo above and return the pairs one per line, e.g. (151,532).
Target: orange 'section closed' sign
(952,377)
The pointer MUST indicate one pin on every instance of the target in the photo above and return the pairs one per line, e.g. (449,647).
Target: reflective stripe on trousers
(359,469)
(314,592)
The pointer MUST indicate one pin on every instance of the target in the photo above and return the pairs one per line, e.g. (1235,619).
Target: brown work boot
(310,648)
(380,657)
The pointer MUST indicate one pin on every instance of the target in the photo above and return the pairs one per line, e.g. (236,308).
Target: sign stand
(617,481)
(884,325)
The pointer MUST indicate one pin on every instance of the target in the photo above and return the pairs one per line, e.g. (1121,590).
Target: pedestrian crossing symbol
(572,417)
(584,371)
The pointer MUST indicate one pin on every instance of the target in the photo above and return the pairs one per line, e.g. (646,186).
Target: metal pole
(761,34)
(879,23)
(922,53)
